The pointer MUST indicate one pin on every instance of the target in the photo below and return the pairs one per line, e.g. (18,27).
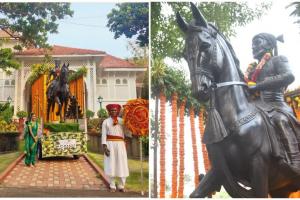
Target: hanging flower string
(255,69)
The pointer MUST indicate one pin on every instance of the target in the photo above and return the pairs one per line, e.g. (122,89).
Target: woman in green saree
(31,139)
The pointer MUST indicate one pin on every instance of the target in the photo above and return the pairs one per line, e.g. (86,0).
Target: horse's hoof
(192,196)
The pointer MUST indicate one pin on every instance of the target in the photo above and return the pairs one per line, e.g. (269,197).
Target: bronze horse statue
(58,92)
(243,159)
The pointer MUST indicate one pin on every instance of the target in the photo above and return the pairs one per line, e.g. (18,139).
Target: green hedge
(63,127)
(9,141)
(12,133)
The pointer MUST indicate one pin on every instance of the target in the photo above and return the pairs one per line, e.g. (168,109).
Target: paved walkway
(49,192)
(57,173)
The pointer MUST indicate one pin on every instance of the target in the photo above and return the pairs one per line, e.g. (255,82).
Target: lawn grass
(21,145)
(133,182)
(7,158)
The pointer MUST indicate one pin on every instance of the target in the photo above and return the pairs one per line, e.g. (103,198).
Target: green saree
(30,144)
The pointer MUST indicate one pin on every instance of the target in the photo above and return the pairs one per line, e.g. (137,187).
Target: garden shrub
(94,124)
(9,141)
(7,113)
(7,127)
(62,127)
(22,114)
(89,114)
(102,113)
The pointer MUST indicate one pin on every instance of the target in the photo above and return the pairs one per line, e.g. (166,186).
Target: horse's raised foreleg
(259,177)
(209,184)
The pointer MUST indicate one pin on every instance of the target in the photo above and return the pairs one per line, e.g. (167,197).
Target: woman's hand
(36,138)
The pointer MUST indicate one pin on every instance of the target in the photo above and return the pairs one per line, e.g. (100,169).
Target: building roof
(8,34)
(59,50)
(110,61)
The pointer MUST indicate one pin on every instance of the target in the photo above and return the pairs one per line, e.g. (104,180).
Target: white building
(110,77)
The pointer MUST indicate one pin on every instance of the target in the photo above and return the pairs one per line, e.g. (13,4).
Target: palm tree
(174,81)
(181,149)
(174,145)
(162,179)
(157,88)
(296,11)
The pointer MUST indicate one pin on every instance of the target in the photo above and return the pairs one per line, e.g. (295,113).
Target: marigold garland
(254,69)
(136,116)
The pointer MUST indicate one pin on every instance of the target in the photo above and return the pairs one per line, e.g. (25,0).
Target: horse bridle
(209,74)
(229,83)
(217,85)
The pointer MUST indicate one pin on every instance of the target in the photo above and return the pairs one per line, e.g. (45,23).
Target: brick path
(58,173)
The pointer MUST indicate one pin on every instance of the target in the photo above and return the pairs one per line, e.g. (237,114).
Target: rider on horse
(270,78)
(58,90)
(55,72)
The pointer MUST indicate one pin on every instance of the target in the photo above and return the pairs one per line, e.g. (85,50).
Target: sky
(276,21)
(87,29)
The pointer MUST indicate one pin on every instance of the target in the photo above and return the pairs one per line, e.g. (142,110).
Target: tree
(162,137)
(166,82)
(157,80)
(140,54)
(167,39)
(141,58)
(145,88)
(174,145)
(181,149)
(29,23)
(130,19)
(296,11)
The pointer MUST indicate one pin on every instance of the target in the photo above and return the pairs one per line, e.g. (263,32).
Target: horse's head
(64,73)
(202,53)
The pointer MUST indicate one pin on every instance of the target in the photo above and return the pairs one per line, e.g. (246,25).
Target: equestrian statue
(252,136)
(58,90)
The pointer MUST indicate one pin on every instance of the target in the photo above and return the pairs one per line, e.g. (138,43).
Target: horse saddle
(284,132)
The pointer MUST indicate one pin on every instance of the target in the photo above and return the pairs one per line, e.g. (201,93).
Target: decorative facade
(112,78)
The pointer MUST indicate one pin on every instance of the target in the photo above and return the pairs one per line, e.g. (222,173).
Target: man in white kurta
(115,156)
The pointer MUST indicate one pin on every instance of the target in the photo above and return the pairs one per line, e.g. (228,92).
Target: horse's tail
(229,182)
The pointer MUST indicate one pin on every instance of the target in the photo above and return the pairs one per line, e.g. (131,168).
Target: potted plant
(89,114)
(91,128)
(102,113)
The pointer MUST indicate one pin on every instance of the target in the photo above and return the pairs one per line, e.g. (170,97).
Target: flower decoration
(136,116)
(46,131)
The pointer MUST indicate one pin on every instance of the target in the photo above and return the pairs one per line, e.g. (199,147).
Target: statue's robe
(272,82)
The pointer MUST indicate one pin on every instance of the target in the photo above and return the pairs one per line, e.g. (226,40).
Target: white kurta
(116,164)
